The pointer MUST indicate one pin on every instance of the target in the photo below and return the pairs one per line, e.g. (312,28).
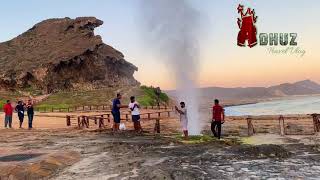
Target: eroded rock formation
(60,54)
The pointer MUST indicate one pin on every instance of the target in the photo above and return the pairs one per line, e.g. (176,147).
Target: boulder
(63,54)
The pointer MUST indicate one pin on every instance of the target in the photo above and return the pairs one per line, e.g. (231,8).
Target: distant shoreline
(255,101)
(290,105)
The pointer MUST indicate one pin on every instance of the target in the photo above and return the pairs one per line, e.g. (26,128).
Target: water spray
(171,29)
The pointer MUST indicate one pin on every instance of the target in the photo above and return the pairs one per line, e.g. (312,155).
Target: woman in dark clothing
(20,110)
(30,113)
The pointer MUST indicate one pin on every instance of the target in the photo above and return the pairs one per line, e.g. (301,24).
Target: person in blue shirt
(116,106)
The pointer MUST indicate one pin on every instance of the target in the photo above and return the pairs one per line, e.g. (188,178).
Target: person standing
(30,113)
(218,117)
(135,114)
(183,118)
(8,110)
(116,106)
(20,110)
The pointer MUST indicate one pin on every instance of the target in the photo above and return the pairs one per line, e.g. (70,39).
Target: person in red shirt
(8,110)
(217,118)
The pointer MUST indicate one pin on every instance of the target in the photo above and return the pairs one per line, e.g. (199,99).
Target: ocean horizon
(289,105)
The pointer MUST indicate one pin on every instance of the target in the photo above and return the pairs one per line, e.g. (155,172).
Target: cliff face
(63,54)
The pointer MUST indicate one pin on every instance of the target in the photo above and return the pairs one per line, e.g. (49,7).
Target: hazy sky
(222,62)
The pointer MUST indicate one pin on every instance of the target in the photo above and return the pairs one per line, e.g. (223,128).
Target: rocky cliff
(63,54)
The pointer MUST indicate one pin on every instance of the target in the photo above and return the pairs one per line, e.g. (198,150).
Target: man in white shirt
(135,114)
(183,118)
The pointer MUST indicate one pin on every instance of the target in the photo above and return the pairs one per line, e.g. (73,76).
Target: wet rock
(230,169)
(45,167)
(261,151)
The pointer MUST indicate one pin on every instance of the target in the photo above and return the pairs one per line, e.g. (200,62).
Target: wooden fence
(283,130)
(83,121)
(87,108)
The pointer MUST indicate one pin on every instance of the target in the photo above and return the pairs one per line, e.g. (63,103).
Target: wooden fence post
(79,122)
(316,122)
(95,120)
(101,122)
(281,125)
(68,120)
(87,121)
(108,116)
(84,121)
(127,117)
(157,126)
(251,130)
(159,114)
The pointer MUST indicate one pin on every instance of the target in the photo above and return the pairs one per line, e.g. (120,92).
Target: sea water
(289,105)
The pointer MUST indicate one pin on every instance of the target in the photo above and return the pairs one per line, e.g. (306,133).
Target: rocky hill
(306,87)
(63,54)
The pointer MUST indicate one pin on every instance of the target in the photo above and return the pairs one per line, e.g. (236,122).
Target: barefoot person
(135,114)
(183,118)
(8,110)
(30,113)
(20,111)
(217,118)
(116,105)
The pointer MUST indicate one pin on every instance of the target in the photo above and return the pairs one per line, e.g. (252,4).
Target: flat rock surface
(78,154)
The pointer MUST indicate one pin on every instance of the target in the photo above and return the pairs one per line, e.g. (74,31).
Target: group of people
(20,108)
(218,118)
(135,113)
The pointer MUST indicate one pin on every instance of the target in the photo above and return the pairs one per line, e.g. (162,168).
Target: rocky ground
(103,155)
(52,151)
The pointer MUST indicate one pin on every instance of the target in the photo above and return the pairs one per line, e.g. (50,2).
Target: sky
(221,61)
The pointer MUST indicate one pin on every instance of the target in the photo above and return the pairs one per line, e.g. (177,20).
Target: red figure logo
(248,31)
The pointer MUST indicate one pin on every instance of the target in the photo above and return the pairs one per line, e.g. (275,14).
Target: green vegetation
(149,97)
(32,91)
(196,139)
(78,98)
(146,96)
(8,95)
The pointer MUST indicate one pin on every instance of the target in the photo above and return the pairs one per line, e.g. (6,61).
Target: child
(135,114)
(217,118)
(183,118)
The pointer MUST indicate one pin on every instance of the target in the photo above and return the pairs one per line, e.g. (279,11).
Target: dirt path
(36,99)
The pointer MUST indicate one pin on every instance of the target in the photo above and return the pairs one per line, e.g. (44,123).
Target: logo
(276,43)
(248,30)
